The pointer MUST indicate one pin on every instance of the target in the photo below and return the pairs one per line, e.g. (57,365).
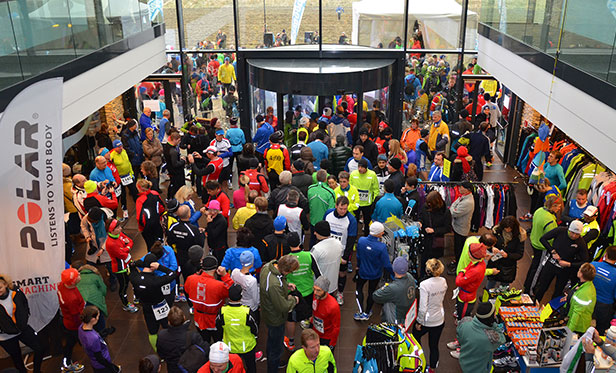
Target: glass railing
(38,35)
(586,30)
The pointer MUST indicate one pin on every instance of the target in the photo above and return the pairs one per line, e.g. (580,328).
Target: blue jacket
(605,282)
(232,258)
(236,138)
(168,260)
(162,128)
(262,137)
(436,174)
(387,205)
(134,148)
(144,122)
(372,258)
(99,176)
(320,152)
(194,214)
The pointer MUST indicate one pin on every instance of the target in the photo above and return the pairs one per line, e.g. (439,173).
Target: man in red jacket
(71,305)
(208,296)
(118,246)
(325,313)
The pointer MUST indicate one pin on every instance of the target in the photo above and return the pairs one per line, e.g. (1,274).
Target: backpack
(194,357)
(253,175)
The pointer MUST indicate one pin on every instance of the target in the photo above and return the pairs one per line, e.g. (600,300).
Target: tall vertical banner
(32,218)
(296,20)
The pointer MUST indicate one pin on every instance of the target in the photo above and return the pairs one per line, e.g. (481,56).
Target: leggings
(434,335)
(71,339)
(372,284)
(249,361)
(133,192)
(150,321)
(123,282)
(366,212)
(30,339)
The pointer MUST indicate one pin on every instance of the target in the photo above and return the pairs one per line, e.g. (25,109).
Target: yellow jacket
(352,194)
(226,74)
(243,214)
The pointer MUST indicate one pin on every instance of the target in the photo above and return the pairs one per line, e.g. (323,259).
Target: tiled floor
(130,341)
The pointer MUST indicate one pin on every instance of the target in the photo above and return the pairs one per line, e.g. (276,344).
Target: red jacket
(257,182)
(71,305)
(114,171)
(469,281)
(119,251)
(208,296)
(155,203)
(326,318)
(225,204)
(111,204)
(235,365)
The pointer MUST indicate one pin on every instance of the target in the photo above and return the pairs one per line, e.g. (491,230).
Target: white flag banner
(32,219)
(296,20)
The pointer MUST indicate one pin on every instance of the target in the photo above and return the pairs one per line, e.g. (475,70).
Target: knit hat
(89,186)
(293,239)
(591,211)
(280,223)
(376,228)
(299,165)
(103,151)
(172,205)
(209,263)
(462,151)
(117,143)
(69,276)
(213,205)
(400,265)
(219,353)
(235,293)
(148,259)
(195,253)
(381,157)
(576,226)
(322,228)
(484,310)
(155,360)
(247,258)
(396,163)
(477,251)
(259,118)
(364,131)
(322,282)
(611,334)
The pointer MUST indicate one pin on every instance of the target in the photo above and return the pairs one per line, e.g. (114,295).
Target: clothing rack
(371,344)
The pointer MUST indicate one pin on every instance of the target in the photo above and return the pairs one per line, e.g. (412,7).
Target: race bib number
(166,289)
(161,310)
(118,191)
(126,179)
(364,195)
(336,235)
(318,324)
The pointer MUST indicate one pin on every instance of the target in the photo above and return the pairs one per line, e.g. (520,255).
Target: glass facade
(38,35)
(585,29)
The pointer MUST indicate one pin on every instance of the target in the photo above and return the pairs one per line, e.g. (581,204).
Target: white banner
(296,20)
(32,219)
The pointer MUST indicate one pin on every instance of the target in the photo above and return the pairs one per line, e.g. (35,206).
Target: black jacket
(278,197)
(515,251)
(243,162)
(260,224)
(175,165)
(275,245)
(181,236)
(173,341)
(398,179)
(338,156)
(21,312)
(147,285)
(407,197)
(217,233)
(371,151)
(440,221)
(302,181)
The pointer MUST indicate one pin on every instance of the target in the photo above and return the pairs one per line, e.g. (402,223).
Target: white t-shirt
(328,253)
(250,288)
(431,295)
(293,215)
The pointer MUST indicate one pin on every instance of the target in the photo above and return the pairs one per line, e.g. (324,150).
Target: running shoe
(305,324)
(180,298)
(488,164)
(506,362)
(125,214)
(287,343)
(358,316)
(455,354)
(340,298)
(349,267)
(130,308)
(526,217)
(511,294)
(453,345)
(135,301)
(367,316)
(73,368)
(258,355)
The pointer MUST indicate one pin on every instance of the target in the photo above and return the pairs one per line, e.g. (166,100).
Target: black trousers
(372,284)
(458,245)
(175,183)
(30,339)
(132,188)
(150,320)
(250,365)
(464,309)
(70,340)
(123,286)
(366,212)
(548,272)
(434,335)
(532,270)
(211,336)
(604,313)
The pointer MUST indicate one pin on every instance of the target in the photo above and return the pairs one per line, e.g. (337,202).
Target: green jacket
(325,363)
(581,307)
(477,344)
(543,222)
(400,292)
(465,258)
(320,199)
(92,287)
(367,185)
(276,303)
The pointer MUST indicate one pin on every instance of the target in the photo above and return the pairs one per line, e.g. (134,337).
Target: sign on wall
(32,219)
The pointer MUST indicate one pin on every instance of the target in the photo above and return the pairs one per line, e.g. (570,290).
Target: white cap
(376,228)
(576,226)
(590,211)
(219,353)
(211,149)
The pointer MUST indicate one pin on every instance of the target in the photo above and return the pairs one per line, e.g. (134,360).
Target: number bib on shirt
(318,324)
(336,235)
(161,310)
(118,191)
(126,179)
(166,289)
(364,195)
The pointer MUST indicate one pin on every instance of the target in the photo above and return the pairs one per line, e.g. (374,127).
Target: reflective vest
(587,228)
(303,277)
(235,333)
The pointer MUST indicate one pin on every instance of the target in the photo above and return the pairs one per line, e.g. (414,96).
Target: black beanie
(209,263)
